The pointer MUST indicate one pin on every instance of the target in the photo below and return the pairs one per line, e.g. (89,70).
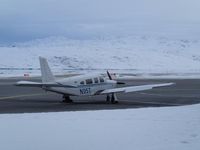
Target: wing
(134,88)
(38,84)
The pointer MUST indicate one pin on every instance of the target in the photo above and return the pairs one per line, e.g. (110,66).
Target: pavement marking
(164,95)
(154,103)
(24,95)
(196,89)
(151,94)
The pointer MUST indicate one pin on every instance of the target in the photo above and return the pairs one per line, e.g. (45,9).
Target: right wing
(134,88)
(38,84)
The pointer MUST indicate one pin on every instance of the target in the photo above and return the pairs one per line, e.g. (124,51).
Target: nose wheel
(108,98)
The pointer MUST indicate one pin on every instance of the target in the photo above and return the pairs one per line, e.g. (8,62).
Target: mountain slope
(140,54)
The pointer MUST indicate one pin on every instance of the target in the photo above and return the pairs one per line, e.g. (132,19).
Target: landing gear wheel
(108,98)
(114,99)
(66,99)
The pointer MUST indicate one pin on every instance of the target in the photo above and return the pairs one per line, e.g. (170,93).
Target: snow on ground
(144,129)
(134,53)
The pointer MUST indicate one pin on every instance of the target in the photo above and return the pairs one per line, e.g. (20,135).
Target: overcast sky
(29,19)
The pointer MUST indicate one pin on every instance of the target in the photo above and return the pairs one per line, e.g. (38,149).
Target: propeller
(113,95)
(111,78)
(109,75)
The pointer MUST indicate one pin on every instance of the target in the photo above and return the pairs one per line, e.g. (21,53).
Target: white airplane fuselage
(87,85)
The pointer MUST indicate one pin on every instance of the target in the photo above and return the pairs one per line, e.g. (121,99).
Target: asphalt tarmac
(27,100)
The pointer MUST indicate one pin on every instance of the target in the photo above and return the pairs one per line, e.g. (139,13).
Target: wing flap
(135,88)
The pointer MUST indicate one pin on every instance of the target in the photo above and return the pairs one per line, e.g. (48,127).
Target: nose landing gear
(111,99)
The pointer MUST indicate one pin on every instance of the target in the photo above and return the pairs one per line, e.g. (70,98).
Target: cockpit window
(89,81)
(96,80)
(82,82)
(101,79)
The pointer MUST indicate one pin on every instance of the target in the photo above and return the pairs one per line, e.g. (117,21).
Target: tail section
(46,73)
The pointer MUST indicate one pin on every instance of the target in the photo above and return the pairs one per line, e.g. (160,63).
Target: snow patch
(141,54)
(145,129)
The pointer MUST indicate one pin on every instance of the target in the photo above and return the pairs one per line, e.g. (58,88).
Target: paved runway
(23,99)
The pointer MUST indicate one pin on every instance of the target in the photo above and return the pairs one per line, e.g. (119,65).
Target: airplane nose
(111,81)
(114,82)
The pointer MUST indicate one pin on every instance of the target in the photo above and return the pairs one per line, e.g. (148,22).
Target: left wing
(134,88)
(38,84)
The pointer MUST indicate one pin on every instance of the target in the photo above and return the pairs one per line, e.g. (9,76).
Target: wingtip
(169,84)
(172,83)
(17,83)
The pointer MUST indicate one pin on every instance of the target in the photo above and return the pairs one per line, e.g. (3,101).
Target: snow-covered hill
(136,54)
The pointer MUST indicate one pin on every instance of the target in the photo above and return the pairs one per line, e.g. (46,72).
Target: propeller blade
(109,75)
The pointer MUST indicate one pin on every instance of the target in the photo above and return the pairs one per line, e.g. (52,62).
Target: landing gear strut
(66,99)
(112,99)
(108,98)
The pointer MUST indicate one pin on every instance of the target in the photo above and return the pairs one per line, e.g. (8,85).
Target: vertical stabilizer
(46,73)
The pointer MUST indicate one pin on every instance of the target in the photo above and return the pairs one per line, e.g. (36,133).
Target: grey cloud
(22,19)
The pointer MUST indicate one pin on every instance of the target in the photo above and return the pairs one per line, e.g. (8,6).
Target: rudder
(46,73)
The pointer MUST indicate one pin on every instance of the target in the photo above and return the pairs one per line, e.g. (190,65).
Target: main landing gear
(111,99)
(67,99)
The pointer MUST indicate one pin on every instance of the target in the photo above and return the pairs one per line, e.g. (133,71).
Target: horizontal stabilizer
(135,88)
(38,84)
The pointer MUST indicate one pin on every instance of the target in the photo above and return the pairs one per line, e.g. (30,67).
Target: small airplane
(83,85)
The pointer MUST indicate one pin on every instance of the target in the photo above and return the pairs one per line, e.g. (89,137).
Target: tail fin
(46,73)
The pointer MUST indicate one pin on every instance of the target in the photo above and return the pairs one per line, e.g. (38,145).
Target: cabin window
(82,82)
(89,81)
(101,79)
(96,80)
